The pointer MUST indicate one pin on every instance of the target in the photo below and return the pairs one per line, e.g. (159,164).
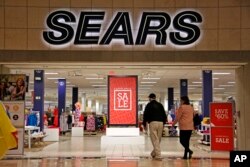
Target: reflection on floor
(79,162)
(90,146)
(87,152)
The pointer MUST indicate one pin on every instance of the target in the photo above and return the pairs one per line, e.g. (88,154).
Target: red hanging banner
(122,101)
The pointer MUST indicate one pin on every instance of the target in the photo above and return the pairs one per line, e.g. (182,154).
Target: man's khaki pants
(156,129)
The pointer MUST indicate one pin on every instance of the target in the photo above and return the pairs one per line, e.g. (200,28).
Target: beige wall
(226,24)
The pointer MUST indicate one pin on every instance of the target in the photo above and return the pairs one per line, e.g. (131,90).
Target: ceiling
(165,76)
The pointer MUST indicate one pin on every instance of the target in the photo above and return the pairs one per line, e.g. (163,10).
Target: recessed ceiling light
(148,78)
(90,78)
(98,85)
(51,73)
(70,85)
(221,73)
(195,85)
(231,82)
(226,85)
(197,82)
(55,78)
(148,82)
(66,82)
(97,82)
(146,85)
(219,88)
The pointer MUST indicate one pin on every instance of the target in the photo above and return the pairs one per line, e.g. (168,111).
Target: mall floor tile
(90,147)
(104,162)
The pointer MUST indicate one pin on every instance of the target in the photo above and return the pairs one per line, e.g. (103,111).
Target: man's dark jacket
(154,111)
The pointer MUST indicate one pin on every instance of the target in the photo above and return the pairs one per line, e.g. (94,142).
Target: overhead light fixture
(146,85)
(66,82)
(51,73)
(71,85)
(219,88)
(56,78)
(148,78)
(197,82)
(221,73)
(98,85)
(226,85)
(97,82)
(144,88)
(191,88)
(195,85)
(90,78)
(231,82)
(148,82)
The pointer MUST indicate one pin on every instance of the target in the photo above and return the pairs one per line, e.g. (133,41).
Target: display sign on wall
(15,110)
(13,87)
(122,100)
(222,127)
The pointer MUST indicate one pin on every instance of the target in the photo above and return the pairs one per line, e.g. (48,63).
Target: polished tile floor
(90,146)
(79,162)
(87,151)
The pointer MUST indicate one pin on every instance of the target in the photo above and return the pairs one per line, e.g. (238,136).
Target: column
(183,87)
(39,95)
(74,97)
(61,97)
(170,98)
(207,91)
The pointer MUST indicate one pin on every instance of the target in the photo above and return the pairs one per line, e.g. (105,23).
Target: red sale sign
(221,118)
(222,138)
(122,103)
(221,114)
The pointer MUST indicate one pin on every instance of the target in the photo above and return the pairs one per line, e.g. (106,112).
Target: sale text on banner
(222,139)
(221,114)
(122,101)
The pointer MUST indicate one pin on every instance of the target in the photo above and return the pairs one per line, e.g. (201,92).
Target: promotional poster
(122,100)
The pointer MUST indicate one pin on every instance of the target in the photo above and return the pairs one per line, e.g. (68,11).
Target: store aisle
(103,162)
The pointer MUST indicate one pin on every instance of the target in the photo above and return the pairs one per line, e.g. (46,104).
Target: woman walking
(184,116)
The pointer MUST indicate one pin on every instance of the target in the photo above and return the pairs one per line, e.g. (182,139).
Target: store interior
(91,80)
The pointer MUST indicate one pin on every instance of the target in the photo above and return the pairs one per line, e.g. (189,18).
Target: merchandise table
(29,129)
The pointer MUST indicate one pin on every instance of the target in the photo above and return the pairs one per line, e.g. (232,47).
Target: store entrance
(91,81)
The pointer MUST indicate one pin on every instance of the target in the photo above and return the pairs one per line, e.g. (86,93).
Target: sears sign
(65,27)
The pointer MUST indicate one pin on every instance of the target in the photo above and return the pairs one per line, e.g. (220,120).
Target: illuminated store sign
(181,30)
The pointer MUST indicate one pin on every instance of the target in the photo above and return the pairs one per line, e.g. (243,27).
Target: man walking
(155,116)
